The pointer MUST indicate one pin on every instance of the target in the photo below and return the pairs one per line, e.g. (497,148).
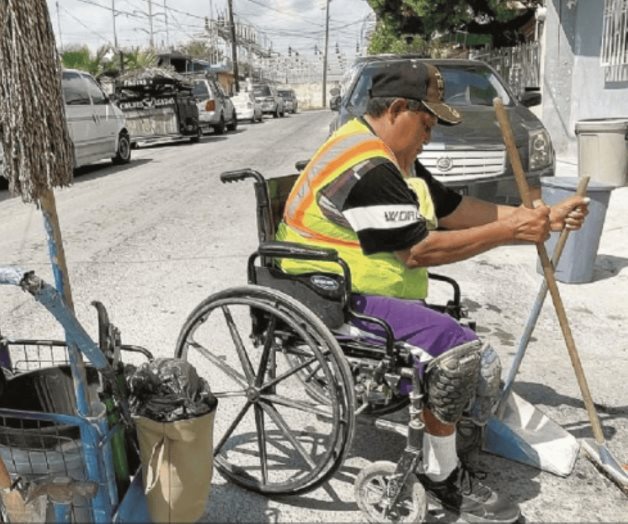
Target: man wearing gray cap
(365,194)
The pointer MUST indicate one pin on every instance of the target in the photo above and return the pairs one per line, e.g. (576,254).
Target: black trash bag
(168,390)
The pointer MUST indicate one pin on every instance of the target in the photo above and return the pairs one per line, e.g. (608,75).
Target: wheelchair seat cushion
(323,293)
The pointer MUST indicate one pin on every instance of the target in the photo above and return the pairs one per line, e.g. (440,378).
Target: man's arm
(445,247)
(476,226)
(471,212)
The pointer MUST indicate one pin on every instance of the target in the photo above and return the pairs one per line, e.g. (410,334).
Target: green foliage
(81,58)
(136,59)
(387,40)
(104,61)
(200,49)
(500,19)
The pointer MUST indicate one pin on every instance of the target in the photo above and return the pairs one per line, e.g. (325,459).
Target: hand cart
(65,433)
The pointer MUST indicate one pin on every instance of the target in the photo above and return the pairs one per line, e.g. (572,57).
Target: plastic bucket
(578,259)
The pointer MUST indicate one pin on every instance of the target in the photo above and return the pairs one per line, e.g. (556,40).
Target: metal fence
(614,56)
(520,66)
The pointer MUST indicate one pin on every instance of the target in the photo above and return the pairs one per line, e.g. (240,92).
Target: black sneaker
(462,493)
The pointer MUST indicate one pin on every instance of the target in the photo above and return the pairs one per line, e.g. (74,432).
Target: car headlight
(540,148)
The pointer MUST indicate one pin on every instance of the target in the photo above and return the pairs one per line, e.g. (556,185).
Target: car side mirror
(530,98)
(334,103)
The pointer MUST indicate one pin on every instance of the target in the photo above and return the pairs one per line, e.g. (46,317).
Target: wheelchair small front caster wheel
(374,491)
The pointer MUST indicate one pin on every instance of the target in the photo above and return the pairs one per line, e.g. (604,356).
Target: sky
(298,24)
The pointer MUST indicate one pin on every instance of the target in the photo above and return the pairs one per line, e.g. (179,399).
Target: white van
(97,127)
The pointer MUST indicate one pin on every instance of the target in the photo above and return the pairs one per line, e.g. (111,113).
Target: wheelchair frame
(288,315)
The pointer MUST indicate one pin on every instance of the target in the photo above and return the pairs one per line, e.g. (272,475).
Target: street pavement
(154,238)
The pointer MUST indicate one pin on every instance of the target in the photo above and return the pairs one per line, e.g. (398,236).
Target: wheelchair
(291,374)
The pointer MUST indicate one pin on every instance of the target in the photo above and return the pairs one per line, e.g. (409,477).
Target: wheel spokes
(229,394)
(233,425)
(287,374)
(283,427)
(268,347)
(239,346)
(261,441)
(219,363)
(297,404)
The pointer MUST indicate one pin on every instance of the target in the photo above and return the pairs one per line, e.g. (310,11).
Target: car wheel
(234,122)
(219,128)
(195,139)
(123,154)
(276,113)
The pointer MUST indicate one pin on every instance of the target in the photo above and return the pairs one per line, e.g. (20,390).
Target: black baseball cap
(415,80)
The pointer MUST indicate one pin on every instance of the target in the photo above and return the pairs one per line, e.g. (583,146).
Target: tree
(136,59)
(430,18)
(202,50)
(81,58)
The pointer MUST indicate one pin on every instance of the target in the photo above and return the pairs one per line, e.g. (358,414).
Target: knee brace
(451,381)
(487,389)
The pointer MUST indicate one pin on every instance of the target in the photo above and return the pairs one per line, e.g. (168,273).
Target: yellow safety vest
(304,222)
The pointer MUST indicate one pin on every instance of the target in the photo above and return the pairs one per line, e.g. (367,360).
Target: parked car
(272,103)
(215,108)
(291,104)
(97,127)
(247,107)
(469,157)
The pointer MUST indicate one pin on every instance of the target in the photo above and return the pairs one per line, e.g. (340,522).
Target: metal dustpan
(525,434)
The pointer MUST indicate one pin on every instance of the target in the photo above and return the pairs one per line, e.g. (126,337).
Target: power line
(86,27)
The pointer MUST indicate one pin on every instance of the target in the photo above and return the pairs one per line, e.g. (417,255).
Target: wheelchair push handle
(241,174)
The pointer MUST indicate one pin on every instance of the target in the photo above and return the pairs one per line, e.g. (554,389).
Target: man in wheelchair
(365,194)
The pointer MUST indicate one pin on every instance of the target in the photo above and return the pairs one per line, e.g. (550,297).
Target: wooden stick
(548,271)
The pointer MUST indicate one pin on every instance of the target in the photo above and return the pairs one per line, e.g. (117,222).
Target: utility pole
(113,15)
(150,23)
(325,54)
(234,46)
(59,29)
(167,31)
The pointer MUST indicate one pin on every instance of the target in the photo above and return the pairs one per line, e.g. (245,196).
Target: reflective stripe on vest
(304,222)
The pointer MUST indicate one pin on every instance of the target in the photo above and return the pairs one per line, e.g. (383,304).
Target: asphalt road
(154,238)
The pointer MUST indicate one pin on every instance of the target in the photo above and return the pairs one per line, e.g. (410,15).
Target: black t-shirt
(373,199)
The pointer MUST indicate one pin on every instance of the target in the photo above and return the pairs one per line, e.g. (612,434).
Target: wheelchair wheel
(373,495)
(270,436)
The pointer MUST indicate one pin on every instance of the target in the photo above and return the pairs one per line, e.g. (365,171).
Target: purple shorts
(413,322)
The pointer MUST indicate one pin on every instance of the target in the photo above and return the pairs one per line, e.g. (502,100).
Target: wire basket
(40,435)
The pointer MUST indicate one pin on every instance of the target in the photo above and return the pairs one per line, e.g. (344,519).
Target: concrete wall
(310,95)
(574,83)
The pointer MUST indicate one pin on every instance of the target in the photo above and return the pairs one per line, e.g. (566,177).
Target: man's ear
(398,106)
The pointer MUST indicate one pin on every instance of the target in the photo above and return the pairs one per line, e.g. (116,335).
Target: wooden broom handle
(548,270)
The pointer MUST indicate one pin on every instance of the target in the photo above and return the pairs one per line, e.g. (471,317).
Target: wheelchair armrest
(298,251)
(452,283)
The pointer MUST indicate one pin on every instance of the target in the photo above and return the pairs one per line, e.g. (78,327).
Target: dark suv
(469,157)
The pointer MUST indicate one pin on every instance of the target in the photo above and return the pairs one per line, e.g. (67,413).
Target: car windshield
(262,91)
(465,85)
(285,94)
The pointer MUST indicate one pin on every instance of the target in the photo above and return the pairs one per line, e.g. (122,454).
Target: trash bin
(578,258)
(173,409)
(603,150)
